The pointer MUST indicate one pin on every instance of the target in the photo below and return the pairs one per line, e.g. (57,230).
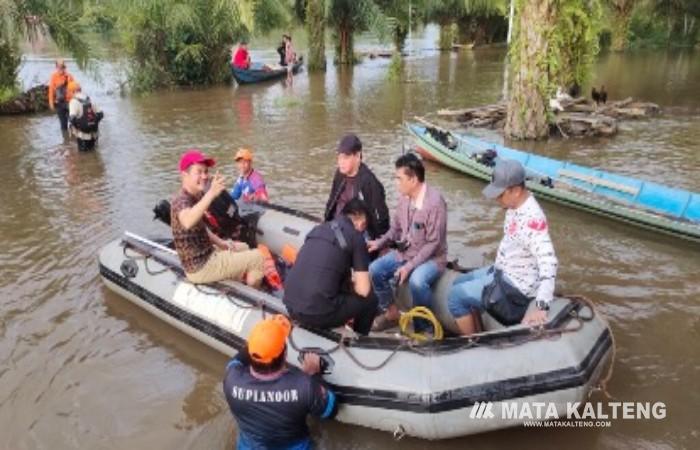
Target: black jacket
(371,191)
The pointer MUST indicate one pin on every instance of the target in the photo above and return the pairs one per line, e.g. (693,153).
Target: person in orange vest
(59,95)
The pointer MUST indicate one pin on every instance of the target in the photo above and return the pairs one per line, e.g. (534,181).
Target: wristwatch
(542,305)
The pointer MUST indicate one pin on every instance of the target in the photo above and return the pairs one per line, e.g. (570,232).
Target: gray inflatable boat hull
(425,390)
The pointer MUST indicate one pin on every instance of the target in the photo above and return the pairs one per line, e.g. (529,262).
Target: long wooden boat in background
(642,203)
(257,73)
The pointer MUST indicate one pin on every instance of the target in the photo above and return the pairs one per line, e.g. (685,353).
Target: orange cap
(268,338)
(243,153)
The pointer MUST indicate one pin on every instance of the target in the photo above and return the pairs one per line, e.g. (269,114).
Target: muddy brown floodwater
(82,368)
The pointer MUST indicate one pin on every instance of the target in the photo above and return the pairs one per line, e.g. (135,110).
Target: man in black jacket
(329,283)
(353,179)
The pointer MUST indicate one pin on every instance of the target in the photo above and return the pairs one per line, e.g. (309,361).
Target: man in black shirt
(270,399)
(329,283)
(353,179)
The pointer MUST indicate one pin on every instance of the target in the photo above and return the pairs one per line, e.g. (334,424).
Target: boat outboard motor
(488,158)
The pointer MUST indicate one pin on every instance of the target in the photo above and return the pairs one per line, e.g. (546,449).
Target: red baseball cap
(194,156)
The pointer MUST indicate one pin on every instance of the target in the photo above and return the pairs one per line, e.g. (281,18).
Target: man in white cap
(525,267)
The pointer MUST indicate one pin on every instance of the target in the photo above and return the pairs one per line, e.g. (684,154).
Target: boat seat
(597,181)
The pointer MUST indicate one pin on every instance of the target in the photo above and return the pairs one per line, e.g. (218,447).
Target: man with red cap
(205,257)
(270,399)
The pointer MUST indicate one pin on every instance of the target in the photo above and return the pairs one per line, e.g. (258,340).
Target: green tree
(315,17)
(482,21)
(680,17)
(21,19)
(348,17)
(179,41)
(620,22)
(554,44)
(444,13)
(575,42)
(398,16)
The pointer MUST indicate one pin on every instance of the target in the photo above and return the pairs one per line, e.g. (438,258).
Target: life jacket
(88,121)
(272,276)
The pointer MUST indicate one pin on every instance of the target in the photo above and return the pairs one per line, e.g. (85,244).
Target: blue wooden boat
(257,73)
(643,203)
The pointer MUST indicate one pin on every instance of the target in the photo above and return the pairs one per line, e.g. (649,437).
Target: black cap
(350,144)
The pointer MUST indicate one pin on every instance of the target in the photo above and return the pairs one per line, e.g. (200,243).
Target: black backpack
(88,121)
(222,216)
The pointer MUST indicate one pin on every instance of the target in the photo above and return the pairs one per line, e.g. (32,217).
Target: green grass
(8,93)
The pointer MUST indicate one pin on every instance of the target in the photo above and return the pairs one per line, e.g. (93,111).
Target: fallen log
(34,100)
(584,125)
(575,117)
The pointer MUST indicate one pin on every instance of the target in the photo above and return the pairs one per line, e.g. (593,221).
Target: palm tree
(482,21)
(554,43)
(443,12)
(180,41)
(348,17)
(315,18)
(57,19)
(622,17)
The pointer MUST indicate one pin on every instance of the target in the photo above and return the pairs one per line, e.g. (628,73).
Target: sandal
(382,323)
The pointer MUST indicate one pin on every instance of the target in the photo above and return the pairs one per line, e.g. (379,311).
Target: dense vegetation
(188,42)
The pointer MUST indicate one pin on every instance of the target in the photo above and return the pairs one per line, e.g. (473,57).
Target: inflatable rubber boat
(385,381)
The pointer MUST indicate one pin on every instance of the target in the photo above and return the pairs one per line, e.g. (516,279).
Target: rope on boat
(145,259)
(536,333)
(228,294)
(421,312)
(602,385)
(341,346)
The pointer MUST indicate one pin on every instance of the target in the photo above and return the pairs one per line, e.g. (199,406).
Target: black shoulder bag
(504,301)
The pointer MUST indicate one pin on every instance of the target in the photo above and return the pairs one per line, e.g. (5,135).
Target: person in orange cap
(270,399)
(250,186)
(84,116)
(59,95)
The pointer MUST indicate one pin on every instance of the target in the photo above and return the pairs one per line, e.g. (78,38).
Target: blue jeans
(381,270)
(246,443)
(467,290)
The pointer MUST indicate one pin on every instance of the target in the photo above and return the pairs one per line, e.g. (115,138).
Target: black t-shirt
(322,268)
(346,195)
(272,412)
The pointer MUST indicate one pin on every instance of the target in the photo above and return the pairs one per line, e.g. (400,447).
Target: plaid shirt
(193,246)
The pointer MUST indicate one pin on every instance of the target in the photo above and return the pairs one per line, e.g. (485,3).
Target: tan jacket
(75,110)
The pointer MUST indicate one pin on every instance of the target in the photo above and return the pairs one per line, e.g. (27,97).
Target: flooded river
(81,367)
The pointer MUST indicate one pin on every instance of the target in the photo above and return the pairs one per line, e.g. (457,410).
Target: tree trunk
(316,30)
(399,38)
(345,45)
(622,12)
(446,36)
(527,108)
(464,30)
